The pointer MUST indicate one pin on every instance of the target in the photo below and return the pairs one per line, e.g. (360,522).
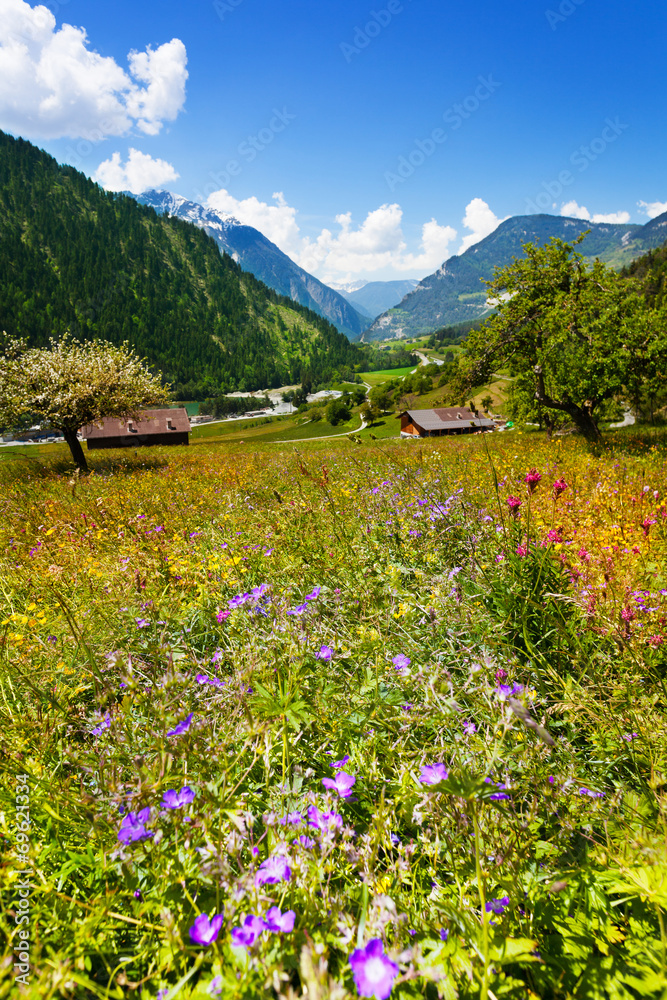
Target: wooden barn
(154,427)
(434,423)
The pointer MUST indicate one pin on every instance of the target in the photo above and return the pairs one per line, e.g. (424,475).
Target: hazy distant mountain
(455,293)
(255,253)
(375,297)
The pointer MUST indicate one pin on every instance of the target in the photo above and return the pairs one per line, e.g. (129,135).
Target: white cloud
(277,222)
(653,208)
(574,211)
(480,220)
(140,173)
(53,85)
(378,244)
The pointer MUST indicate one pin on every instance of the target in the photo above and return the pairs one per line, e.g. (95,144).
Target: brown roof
(151,422)
(446,418)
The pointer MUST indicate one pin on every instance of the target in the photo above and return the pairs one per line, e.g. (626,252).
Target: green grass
(514,756)
(388,375)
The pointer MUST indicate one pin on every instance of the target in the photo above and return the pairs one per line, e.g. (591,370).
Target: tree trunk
(584,420)
(77,450)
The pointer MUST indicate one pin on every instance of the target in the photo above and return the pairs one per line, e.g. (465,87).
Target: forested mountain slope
(257,254)
(456,293)
(73,256)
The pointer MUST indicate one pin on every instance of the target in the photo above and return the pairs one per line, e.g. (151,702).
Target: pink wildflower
(533,480)
(514,503)
(559,487)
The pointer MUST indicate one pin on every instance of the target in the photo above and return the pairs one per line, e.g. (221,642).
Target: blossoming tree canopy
(572,334)
(71,384)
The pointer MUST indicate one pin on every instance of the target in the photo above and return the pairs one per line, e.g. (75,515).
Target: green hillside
(651,269)
(73,256)
(456,294)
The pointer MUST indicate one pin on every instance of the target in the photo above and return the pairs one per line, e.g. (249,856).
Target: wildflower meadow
(346,721)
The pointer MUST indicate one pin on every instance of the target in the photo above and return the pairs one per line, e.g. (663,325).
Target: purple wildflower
(279,923)
(304,841)
(205,931)
(293,818)
(342,784)
(247,934)
(325,821)
(176,800)
(469,728)
(498,906)
(104,724)
(314,594)
(299,610)
(274,869)
(629,737)
(133,827)
(591,794)
(340,763)
(214,988)
(432,774)
(444,933)
(325,653)
(182,726)
(374,972)
(509,690)
(142,622)
(401,661)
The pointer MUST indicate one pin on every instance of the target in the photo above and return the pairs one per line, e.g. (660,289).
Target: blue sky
(367,140)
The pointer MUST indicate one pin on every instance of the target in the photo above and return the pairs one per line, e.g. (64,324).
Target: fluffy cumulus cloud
(481,222)
(139,173)
(653,208)
(54,85)
(574,211)
(277,222)
(377,244)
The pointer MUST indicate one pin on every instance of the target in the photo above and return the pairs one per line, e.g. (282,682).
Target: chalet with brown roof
(443,420)
(154,427)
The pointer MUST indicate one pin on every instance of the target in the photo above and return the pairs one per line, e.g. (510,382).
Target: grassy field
(270,717)
(377,378)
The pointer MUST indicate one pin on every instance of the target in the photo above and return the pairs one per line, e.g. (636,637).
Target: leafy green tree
(380,397)
(575,335)
(338,412)
(71,384)
(487,402)
(369,413)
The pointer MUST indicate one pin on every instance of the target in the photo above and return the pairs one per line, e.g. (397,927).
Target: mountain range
(73,256)
(257,254)
(455,293)
(371,298)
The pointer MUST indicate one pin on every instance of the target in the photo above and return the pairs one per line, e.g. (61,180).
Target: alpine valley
(74,257)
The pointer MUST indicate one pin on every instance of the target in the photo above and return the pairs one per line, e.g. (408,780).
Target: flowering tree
(573,335)
(72,384)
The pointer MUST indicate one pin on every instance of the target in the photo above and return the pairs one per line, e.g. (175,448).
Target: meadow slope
(333,719)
